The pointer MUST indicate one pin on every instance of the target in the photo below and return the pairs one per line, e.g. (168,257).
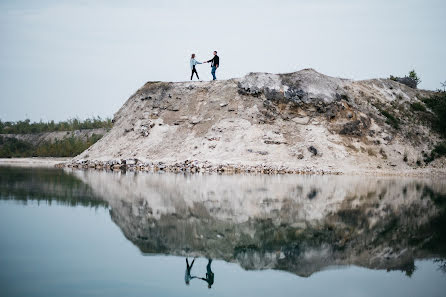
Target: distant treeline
(26,127)
(68,147)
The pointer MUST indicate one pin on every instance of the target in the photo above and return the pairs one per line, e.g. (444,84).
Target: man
(214,65)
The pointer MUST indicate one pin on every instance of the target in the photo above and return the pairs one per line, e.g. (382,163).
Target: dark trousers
(194,71)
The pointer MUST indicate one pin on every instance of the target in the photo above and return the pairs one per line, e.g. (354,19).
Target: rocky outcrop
(267,123)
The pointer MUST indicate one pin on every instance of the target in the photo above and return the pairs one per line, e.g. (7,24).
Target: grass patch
(26,127)
(67,147)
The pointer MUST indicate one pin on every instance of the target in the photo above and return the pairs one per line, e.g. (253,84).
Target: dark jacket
(215,61)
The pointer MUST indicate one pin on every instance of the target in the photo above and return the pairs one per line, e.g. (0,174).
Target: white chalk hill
(296,120)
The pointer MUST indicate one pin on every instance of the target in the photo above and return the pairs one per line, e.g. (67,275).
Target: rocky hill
(295,122)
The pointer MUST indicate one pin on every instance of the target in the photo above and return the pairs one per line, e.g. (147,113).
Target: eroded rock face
(301,224)
(221,123)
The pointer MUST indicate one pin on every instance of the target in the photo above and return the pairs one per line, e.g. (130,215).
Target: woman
(193,62)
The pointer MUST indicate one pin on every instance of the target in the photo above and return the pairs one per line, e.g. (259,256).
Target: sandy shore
(32,162)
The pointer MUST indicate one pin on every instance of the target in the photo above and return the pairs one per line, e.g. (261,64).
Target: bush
(437,103)
(26,127)
(438,151)
(411,81)
(12,147)
(413,75)
(417,106)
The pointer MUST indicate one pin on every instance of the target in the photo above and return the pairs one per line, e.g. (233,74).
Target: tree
(413,75)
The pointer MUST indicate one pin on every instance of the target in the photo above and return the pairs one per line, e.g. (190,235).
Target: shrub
(411,81)
(417,106)
(437,103)
(438,151)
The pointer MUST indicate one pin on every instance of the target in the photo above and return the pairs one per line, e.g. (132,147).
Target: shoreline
(206,167)
(195,167)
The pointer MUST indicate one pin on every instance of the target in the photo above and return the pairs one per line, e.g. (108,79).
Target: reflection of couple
(209,274)
(215,62)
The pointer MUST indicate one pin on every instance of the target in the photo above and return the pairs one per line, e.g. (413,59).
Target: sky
(61,59)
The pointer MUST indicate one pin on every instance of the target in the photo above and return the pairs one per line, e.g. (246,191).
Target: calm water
(89,233)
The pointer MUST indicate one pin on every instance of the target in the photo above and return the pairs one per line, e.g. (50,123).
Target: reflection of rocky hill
(300,224)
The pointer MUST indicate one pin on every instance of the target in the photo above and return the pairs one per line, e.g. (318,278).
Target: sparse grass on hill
(26,127)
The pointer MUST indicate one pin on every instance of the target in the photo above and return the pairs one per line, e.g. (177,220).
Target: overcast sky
(61,59)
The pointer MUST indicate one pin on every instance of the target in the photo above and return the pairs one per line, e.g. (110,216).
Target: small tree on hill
(413,75)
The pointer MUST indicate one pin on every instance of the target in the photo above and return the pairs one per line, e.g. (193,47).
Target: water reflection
(188,277)
(300,224)
(209,274)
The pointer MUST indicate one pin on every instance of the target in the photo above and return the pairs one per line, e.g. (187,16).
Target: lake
(96,233)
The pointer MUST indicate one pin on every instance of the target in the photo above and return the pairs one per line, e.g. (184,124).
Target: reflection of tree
(46,184)
(409,268)
(441,264)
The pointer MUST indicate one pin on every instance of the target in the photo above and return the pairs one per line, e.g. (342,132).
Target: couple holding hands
(215,62)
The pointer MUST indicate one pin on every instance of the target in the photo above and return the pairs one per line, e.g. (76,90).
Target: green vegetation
(412,80)
(26,127)
(67,147)
(438,151)
(391,119)
(437,103)
(417,106)
(413,75)
(12,147)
